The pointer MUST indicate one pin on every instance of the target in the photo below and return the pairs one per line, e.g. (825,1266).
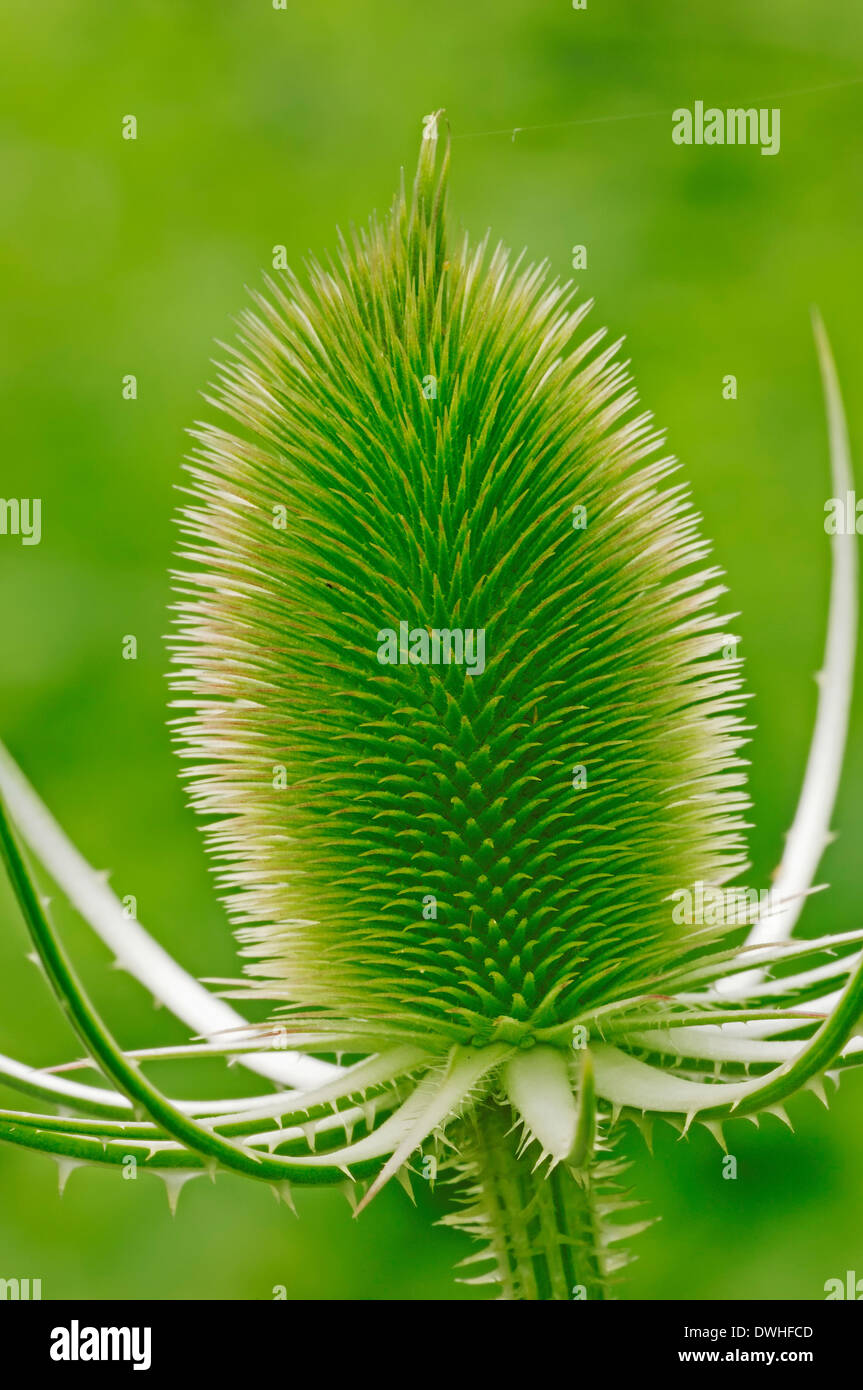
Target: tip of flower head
(430,124)
(429,191)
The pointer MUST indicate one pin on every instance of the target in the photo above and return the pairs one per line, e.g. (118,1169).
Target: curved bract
(460,714)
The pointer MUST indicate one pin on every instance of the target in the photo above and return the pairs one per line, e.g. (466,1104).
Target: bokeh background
(256,127)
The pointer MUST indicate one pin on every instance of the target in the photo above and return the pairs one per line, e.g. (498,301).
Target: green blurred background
(257,127)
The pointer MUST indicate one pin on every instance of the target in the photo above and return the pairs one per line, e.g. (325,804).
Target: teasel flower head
(425,439)
(460,709)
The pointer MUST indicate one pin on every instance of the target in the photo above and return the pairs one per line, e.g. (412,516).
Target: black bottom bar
(227,1340)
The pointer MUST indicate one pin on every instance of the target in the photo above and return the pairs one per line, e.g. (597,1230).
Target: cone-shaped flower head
(458,703)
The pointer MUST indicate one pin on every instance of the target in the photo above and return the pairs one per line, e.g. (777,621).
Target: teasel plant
(456,889)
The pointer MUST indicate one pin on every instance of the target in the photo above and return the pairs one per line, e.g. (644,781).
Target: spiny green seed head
(420,435)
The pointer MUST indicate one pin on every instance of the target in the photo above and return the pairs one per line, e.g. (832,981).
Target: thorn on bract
(65,1167)
(283,1193)
(403,1178)
(815,1084)
(175,1181)
(781,1114)
(715,1128)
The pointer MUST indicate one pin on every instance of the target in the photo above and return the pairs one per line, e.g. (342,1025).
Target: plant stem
(543,1231)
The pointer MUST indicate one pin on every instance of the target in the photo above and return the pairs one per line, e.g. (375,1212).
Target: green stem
(543,1231)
